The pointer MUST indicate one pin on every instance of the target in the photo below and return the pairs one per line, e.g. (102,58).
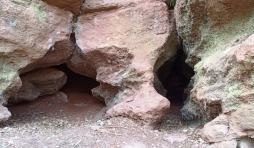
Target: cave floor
(79,123)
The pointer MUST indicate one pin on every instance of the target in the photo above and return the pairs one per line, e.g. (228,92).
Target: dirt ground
(77,122)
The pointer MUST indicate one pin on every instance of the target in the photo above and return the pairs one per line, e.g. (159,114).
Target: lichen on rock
(219,44)
(28,30)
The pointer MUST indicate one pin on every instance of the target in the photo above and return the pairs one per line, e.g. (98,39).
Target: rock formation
(120,44)
(28,30)
(218,38)
(39,83)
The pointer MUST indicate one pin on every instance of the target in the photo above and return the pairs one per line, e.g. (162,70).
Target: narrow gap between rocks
(74,101)
(175,75)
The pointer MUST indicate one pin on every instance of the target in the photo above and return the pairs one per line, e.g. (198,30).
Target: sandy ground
(78,123)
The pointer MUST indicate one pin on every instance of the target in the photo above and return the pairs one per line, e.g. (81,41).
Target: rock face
(70,5)
(39,83)
(28,30)
(219,42)
(122,44)
(210,26)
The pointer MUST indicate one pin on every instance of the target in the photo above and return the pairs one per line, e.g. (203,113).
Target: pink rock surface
(39,83)
(70,5)
(28,30)
(122,44)
(216,130)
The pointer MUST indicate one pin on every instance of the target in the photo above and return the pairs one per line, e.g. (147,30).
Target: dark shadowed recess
(73,102)
(175,75)
(77,82)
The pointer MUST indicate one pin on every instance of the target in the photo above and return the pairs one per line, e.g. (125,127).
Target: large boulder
(216,130)
(219,42)
(28,30)
(122,44)
(226,80)
(39,83)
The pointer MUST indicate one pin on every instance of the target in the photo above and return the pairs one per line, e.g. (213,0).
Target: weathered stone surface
(210,26)
(70,5)
(227,80)
(60,53)
(216,130)
(28,30)
(39,83)
(4,114)
(122,49)
(241,122)
(219,43)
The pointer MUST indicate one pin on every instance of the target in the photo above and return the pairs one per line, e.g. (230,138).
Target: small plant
(172,4)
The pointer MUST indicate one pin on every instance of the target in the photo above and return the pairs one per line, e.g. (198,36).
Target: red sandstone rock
(39,83)
(228,82)
(28,30)
(216,130)
(70,5)
(122,44)
(60,53)
(220,47)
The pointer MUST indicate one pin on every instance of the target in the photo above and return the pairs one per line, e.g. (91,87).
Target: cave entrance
(175,76)
(74,101)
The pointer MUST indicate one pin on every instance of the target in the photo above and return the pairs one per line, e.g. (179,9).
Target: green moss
(172,3)
(231,95)
(218,39)
(8,71)
(6,79)
(233,90)
(40,12)
(24,3)
(198,69)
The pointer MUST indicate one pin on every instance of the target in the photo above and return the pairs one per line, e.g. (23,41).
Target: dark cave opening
(77,82)
(175,75)
(74,101)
